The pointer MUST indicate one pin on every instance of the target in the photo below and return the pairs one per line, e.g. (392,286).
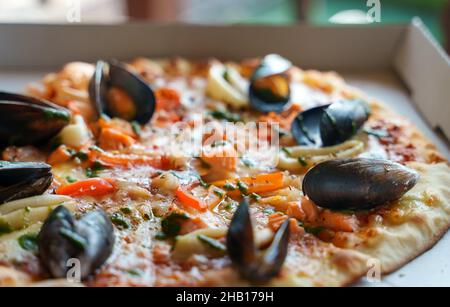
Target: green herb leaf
(302,161)
(135,272)
(126,210)
(92,172)
(70,179)
(255,196)
(171,225)
(203,183)
(229,186)
(136,127)
(313,230)
(243,188)
(28,242)
(287,151)
(119,221)
(218,193)
(82,155)
(231,117)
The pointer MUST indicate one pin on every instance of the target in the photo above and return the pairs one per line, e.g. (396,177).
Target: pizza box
(402,65)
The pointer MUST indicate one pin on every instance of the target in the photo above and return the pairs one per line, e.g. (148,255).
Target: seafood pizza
(174,172)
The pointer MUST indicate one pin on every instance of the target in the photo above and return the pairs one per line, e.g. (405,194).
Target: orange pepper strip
(95,187)
(189,200)
(124,160)
(118,125)
(338,221)
(257,184)
(112,139)
(60,155)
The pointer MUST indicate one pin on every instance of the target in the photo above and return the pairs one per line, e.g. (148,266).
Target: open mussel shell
(89,240)
(306,127)
(269,85)
(117,92)
(255,265)
(23,179)
(341,120)
(330,124)
(26,120)
(357,183)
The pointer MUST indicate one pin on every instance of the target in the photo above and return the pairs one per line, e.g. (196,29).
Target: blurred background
(434,13)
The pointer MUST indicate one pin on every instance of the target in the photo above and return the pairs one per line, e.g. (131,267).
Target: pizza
(176,172)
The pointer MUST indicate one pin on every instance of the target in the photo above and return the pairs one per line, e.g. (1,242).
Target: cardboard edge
(418,57)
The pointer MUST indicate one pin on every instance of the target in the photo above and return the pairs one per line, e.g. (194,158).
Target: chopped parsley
(255,196)
(28,242)
(136,127)
(231,117)
(287,151)
(171,224)
(51,113)
(126,210)
(92,172)
(229,186)
(218,193)
(313,230)
(243,188)
(119,221)
(203,183)
(135,272)
(82,155)
(302,161)
(4,227)
(226,75)
(70,179)
(219,143)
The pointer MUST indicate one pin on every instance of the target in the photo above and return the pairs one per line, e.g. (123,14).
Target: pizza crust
(428,220)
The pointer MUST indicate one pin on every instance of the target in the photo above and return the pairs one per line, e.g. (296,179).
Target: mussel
(330,124)
(23,179)
(118,92)
(357,183)
(26,120)
(269,85)
(89,239)
(253,264)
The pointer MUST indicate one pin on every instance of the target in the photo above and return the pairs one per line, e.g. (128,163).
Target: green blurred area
(319,11)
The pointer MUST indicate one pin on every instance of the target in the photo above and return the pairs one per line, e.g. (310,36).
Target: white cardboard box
(401,65)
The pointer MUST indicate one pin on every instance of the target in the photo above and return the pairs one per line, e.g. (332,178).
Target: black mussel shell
(342,120)
(23,179)
(330,124)
(114,75)
(269,85)
(89,240)
(306,127)
(26,120)
(357,183)
(255,265)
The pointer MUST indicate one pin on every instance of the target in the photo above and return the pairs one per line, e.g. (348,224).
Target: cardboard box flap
(425,68)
